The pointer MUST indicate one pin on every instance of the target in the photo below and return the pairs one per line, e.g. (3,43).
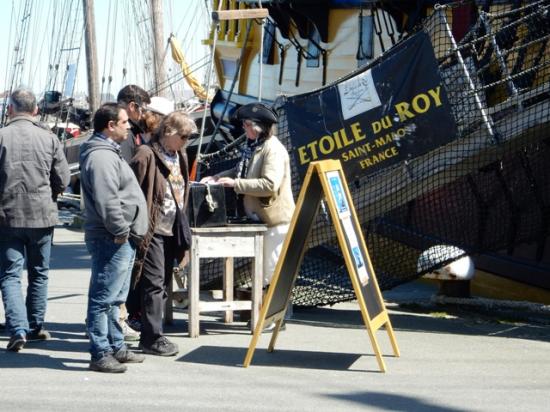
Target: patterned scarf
(246,155)
(242,167)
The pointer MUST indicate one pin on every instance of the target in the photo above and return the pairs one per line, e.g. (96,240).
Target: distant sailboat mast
(91,54)
(15,70)
(159,48)
(91,51)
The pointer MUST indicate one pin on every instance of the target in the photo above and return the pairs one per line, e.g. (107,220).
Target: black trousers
(155,280)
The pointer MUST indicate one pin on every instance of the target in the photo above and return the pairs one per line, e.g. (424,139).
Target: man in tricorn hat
(262,176)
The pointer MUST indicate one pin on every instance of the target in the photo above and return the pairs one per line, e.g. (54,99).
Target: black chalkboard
(296,247)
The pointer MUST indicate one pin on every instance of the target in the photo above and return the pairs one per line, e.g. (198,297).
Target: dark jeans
(111,269)
(36,243)
(155,280)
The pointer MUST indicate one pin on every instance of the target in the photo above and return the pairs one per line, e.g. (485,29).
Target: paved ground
(323,361)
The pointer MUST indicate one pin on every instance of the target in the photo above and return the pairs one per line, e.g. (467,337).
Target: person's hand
(209,179)
(120,240)
(226,181)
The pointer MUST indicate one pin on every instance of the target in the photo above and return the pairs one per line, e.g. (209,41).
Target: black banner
(393,110)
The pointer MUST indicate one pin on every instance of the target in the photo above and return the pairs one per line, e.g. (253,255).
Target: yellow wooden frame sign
(358,263)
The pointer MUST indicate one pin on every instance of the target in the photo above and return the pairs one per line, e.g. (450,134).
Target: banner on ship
(394,110)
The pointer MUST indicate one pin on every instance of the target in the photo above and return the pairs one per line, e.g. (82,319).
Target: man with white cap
(161,105)
(154,113)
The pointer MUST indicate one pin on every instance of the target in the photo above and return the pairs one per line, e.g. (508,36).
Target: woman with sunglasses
(161,169)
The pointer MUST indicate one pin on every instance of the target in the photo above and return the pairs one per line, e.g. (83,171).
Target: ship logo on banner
(395,109)
(358,95)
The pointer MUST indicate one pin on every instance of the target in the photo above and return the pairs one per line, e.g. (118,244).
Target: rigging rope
(9,85)
(113,44)
(62,34)
(228,99)
(210,71)
(51,54)
(34,39)
(107,31)
(41,48)
(261,54)
(126,43)
(73,17)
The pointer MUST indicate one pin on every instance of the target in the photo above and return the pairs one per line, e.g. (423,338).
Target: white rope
(210,70)
(260,85)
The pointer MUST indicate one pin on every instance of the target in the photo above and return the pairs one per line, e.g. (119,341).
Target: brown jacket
(267,187)
(152,172)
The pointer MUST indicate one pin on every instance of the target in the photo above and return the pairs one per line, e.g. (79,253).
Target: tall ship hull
(468,176)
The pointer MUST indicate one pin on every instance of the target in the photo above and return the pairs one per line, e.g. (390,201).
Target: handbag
(207,205)
(181,229)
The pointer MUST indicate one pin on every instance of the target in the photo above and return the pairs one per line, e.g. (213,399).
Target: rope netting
(486,190)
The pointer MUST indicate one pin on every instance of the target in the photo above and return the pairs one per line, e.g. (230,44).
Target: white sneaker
(130,335)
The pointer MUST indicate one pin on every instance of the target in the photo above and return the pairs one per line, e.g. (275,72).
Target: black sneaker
(38,334)
(16,342)
(135,324)
(107,364)
(126,356)
(161,347)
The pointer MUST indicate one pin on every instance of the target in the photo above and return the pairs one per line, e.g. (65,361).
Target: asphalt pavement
(450,360)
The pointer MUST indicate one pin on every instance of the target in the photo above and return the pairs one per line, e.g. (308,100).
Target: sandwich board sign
(325,180)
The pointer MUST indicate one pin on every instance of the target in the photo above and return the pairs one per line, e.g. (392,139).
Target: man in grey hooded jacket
(116,218)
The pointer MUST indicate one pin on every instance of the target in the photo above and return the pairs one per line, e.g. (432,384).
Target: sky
(121,41)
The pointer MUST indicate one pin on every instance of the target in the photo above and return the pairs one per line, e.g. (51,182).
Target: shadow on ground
(231,356)
(66,337)
(392,402)
(460,323)
(32,360)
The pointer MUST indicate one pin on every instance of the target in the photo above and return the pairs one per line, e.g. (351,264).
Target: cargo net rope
(486,191)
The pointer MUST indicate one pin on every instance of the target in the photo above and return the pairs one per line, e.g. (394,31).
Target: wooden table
(226,242)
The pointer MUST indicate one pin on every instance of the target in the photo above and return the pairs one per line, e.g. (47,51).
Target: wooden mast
(158,49)
(91,54)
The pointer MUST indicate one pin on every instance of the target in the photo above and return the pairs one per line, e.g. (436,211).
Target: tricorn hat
(258,112)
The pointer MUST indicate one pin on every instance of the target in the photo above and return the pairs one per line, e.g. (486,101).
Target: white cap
(161,105)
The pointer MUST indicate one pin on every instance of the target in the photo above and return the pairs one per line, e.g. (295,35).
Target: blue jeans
(111,269)
(36,243)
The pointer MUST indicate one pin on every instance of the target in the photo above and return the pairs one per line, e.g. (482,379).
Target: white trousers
(273,244)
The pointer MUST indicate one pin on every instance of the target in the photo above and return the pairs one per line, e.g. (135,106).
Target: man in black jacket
(134,99)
